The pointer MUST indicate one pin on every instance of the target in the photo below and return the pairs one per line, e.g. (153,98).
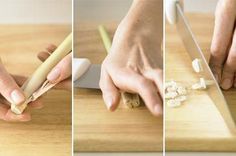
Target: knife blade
(194,51)
(90,79)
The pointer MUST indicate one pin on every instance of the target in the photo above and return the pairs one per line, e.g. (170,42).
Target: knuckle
(132,67)
(144,83)
(217,50)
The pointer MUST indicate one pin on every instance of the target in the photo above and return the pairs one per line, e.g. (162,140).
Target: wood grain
(49,132)
(97,129)
(197,125)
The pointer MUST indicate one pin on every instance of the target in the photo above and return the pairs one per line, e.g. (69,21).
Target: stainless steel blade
(195,51)
(90,79)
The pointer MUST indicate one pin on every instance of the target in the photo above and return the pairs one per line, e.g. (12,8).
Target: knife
(175,15)
(85,74)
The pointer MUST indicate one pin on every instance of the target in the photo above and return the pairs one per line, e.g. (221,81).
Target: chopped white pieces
(170,84)
(171,95)
(201,85)
(181,90)
(197,65)
(173,103)
(181,98)
(172,88)
(175,94)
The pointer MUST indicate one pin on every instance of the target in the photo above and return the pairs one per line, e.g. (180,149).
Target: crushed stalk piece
(197,65)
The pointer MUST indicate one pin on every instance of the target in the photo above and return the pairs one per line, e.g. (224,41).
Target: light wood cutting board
(197,125)
(97,129)
(49,132)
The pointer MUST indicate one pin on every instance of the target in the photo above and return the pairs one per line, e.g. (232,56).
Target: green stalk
(105,37)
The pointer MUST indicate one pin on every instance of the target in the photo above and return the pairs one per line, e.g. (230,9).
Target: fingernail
(226,83)
(17,97)
(158,109)
(54,75)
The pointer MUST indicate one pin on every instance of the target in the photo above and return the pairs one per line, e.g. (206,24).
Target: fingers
(51,48)
(235,80)
(3,111)
(45,54)
(37,104)
(62,70)
(65,84)
(7,115)
(149,94)
(156,76)
(229,70)
(42,56)
(131,81)
(111,94)
(224,24)
(10,116)
(20,80)
(9,88)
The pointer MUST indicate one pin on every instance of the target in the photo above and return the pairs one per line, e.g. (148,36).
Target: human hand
(61,73)
(11,93)
(223,46)
(134,63)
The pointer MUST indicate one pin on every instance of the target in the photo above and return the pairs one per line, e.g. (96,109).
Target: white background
(35,11)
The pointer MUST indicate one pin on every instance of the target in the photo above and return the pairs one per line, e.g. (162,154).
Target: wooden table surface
(49,132)
(97,129)
(197,125)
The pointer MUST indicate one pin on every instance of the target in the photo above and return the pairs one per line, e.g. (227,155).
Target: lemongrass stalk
(40,75)
(105,38)
(131,100)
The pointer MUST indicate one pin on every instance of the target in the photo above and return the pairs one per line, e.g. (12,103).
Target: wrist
(144,18)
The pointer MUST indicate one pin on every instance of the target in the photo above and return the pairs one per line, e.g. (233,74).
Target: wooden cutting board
(97,129)
(49,132)
(196,125)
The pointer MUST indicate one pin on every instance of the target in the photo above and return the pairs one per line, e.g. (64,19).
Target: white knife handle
(171,13)
(80,66)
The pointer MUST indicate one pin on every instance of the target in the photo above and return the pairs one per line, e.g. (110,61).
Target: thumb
(110,93)
(9,89)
